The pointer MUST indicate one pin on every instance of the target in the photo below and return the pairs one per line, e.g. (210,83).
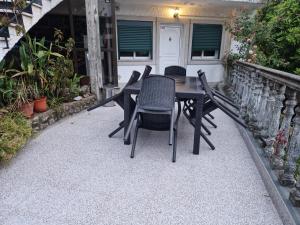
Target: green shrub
(15,130)
(43,70)
(271,37)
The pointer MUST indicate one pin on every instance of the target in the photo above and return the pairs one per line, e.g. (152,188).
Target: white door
(169,46)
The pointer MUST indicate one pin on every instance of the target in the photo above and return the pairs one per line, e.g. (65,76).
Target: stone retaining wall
(42,120)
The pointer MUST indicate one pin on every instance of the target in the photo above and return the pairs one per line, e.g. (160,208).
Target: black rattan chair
(217,103)
(155,109)
(147,72)
(119,99)
(210,105)
(175,70)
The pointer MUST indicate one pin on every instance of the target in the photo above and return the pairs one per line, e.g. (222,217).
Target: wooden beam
(71,21)
(94,46)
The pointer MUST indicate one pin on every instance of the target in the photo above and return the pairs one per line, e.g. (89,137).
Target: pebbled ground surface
(72,173)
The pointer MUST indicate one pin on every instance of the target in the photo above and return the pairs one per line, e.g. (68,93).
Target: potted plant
(16,91)
(24,100)
(40,100)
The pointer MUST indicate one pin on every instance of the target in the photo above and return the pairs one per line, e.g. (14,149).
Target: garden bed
(42,120)
(16,130)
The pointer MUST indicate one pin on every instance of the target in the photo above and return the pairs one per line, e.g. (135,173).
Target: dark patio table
(186,88)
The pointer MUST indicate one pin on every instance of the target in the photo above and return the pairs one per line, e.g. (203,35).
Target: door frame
(181,47)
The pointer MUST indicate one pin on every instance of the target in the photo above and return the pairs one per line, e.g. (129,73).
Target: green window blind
(134,35)
(206,37)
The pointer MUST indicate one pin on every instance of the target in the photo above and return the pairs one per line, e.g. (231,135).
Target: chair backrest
(175,70)
(133,78)
(157,93)
(205,86)
(146,72)
(119,98)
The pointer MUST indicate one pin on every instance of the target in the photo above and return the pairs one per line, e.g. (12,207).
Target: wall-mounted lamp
(176,13)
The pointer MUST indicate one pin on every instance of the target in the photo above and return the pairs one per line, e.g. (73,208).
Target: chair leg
(179,111)
(210,122)
(134,140)
(211,116)
(116,131)
(206,129)
(174,145)
(130,124)
(207,141)
(171,128)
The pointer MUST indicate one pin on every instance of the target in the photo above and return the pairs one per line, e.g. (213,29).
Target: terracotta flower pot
(27,109)
(40,105)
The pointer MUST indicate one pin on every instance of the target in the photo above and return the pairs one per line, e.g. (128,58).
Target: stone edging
(283,206)
(42,120)
(279,195)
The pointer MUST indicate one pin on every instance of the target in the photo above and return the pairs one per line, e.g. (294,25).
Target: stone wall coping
(42,120)
(288,79)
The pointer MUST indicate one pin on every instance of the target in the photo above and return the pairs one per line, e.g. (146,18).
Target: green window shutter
(134,35)
(206,37)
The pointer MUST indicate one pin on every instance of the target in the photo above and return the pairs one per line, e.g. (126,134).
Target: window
(206,41)
(135,40)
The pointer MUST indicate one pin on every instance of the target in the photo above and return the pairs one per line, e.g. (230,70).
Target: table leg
(127,111)
(199,111)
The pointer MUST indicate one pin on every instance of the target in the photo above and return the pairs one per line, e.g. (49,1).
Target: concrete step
(29,18)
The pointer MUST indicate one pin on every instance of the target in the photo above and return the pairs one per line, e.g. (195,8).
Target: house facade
(115,37)
(163,33)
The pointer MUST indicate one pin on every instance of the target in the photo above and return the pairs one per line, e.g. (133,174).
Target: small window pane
(209,53)
(196,53)
(142,54)
(126,54)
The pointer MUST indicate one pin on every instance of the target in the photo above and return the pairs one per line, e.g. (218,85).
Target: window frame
(123,61)
(135,58)
(205,59)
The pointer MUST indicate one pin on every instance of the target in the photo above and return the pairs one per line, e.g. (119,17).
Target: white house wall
(214,73)
(125,71)
(162,14)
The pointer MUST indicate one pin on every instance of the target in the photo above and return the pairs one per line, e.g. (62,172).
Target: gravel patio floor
(72,173)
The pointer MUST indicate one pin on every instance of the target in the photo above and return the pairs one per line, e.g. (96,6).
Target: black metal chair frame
(210,105)
(220,96)
(175,70)
(119,99)
(148,105)
(146,72)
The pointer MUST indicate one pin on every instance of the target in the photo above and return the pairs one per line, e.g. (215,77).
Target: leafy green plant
(74,87)
(15,131)
(44,70)
(64,84)
(55,102)
(62,72)
(272,37)
(37,62)
(7,85)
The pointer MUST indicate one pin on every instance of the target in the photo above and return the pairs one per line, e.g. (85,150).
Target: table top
(186,87)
